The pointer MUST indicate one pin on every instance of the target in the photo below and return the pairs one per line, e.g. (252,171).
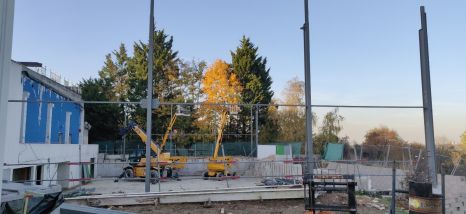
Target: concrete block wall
(274,169)
(456,205)
(110,165)
(369,178)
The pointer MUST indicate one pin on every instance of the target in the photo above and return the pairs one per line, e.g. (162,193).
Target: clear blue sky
(362,51)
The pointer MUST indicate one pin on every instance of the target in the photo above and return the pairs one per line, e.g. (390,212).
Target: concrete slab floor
(187,183)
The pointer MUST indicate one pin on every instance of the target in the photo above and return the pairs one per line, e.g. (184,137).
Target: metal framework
(5,55)
(427,98)
(149,95)
(6,38)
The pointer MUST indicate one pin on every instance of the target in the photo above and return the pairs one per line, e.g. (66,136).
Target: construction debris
(370,202)
(279,181)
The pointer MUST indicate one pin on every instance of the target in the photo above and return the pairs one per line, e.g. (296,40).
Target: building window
(39,175)
(21,175)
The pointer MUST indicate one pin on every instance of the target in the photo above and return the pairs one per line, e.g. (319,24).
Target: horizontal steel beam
(222,104)
(76,209)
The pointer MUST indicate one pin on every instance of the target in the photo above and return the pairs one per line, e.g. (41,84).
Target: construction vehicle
(161,161)
(220,166)
(137,167)
(178,162)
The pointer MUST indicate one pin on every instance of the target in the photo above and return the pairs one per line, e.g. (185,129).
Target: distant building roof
(64,91)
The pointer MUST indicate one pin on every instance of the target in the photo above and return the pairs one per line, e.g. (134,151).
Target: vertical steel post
(7,10)
(251,133)
(171,133)
(80,166)
(257,126)
(410,158)
(442,170)
(149,96)
(392,205)
(124,137)
(307,84)
(387,155)
(427,98)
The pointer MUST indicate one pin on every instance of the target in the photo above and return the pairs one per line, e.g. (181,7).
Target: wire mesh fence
(100,165)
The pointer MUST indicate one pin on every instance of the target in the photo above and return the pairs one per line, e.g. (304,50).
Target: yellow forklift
(219,166)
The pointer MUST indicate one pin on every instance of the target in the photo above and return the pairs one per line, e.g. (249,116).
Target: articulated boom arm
(143,137)
(223,120)
(169,128)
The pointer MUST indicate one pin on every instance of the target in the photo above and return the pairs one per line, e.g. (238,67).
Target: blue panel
(36,119)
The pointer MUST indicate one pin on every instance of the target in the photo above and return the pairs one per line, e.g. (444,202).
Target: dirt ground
(237,207)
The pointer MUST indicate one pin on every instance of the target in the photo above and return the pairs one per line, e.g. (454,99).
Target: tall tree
(463,142)
(270,131)
(115,73)
(331,125)
(292,119)
(190,78)
(383,136)
(104,118)
(253,74)
(220,85)
(329,130)
(377,140)
(165,73)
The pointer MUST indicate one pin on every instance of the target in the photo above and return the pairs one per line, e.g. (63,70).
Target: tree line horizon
(245,79)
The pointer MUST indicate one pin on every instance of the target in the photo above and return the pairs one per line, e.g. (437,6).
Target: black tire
(220,174)
(154,177)
(205,175)
(169,172)
(128,173)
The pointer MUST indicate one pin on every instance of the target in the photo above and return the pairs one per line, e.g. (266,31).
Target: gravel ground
(237,207)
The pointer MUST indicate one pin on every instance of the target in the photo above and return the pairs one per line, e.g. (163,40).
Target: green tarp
(280,149)
(333,151)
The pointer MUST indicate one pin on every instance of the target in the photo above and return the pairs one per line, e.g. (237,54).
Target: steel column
(251,128)
(7,10)
(427,99)
(307,83)
(149,96)
(393,200)
(257,127)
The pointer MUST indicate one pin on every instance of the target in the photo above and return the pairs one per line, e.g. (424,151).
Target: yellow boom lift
(179,162)
(164,160)
(137,166)
(220,166)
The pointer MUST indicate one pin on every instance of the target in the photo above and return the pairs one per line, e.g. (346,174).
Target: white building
(45,141)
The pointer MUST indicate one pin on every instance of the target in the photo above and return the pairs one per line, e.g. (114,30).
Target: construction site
(151,132)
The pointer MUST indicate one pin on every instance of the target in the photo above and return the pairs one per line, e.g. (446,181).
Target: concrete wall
(110,165)
(264,151)
(368,177)
(275,169)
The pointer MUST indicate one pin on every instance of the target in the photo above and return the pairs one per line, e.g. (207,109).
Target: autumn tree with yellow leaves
(219,85)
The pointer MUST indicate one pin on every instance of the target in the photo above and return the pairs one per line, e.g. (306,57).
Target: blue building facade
(49,121)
